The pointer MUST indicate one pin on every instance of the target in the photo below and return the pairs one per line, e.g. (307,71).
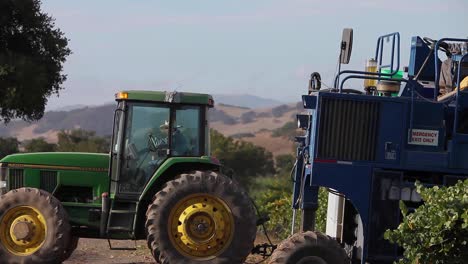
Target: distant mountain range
(242,100)
(245,100)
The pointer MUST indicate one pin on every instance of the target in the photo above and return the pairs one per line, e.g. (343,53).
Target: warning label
(424,137)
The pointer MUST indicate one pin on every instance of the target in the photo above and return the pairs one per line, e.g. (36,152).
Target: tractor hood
(65,159)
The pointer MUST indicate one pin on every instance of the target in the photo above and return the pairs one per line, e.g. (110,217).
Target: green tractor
(158,183)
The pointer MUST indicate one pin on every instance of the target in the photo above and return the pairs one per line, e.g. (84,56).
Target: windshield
(186,131)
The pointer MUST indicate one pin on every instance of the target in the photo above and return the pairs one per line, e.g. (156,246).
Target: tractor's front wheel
(72,245)
(201,217)
(34,227)
(309,248)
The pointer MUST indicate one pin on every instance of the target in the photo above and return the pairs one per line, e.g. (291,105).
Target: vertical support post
(309,207)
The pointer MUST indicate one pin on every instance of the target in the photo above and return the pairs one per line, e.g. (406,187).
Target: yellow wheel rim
(201,226)
(23,230)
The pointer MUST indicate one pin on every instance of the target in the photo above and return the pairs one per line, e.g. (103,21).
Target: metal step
(122,217)
(122,212)
(119,228)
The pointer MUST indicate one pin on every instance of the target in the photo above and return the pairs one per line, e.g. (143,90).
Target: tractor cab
(149,128)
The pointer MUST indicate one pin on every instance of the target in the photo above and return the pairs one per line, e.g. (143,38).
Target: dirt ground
(97,251)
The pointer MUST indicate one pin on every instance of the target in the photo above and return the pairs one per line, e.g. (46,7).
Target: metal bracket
(265,250)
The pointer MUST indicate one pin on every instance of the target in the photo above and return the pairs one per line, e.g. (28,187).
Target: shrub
(273,196)
(437,231)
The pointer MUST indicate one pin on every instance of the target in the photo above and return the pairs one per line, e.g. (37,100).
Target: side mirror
(346,45)
(315,82)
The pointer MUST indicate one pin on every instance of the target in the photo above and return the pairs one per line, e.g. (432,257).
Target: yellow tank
(371,66)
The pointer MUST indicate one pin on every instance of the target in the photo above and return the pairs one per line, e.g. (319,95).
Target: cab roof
(166,97)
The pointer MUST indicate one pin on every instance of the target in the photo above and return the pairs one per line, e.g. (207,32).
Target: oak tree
(32,53)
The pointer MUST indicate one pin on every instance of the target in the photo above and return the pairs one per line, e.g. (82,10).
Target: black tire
(201,182)
(309,248)
(56,221)
(72,245)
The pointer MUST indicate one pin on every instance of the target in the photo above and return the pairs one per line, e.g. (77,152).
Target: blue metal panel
(309,101)
(459,152)
(419,52)
(427,159)
(354,181)
(391,132)
(427,116)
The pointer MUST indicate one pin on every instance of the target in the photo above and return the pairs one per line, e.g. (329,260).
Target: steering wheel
(155,143)
(443,46)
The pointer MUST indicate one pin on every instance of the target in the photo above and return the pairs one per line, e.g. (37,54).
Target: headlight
(303,121)
(3,184)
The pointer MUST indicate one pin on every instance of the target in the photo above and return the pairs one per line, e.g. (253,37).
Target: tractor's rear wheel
(201,217)
(34,227)
(309,248)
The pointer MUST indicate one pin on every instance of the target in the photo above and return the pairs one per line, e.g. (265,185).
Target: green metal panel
(99,181)
(76,159)
(173,162)
(180,97)
(74,170)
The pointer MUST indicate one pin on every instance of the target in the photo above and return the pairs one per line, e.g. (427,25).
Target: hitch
(265,249)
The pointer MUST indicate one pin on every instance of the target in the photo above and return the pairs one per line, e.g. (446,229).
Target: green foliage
(32,53)
(321,214)
(273,197)
(8,146)
(287,130)
(437,231)
(39,145)
(244,158)
(284,164)
(79,140)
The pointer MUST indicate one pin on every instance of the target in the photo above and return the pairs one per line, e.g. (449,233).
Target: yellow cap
(121,95)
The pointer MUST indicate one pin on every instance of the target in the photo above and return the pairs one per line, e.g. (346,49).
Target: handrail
(365,77)
(436,49)
(395,35)
(378,56)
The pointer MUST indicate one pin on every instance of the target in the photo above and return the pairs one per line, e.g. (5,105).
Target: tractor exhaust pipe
(104,214)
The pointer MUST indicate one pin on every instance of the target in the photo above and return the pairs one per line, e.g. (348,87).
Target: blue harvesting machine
(369,146)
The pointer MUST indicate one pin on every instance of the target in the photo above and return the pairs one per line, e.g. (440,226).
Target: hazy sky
(266,47)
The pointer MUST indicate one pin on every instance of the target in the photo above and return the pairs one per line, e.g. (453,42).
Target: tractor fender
(172,167)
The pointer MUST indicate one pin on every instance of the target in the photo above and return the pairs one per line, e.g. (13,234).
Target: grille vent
(16,180)
(348,129)
(48,180)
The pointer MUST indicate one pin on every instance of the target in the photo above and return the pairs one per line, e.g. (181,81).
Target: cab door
(144,146)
